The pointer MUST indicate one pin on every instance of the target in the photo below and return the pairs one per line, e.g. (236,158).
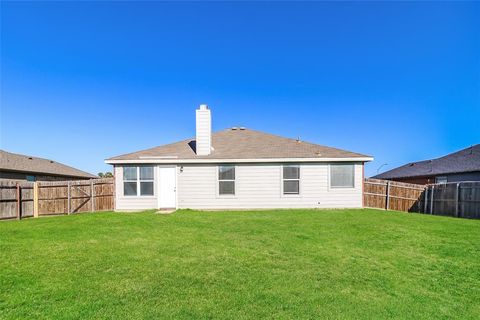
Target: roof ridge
(302,141)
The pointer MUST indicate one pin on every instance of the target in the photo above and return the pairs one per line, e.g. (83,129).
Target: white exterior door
(167,197)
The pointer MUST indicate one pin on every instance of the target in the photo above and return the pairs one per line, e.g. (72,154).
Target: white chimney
(204,131)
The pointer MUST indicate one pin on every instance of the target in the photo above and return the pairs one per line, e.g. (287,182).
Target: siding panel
(132,203)
(260,186)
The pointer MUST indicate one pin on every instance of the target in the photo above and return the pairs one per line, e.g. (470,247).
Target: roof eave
(47,173)
(433,174)
(264,160)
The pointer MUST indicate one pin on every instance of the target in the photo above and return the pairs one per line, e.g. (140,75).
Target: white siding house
(238,169)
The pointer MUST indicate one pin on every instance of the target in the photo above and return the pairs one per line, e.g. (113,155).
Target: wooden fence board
(54,197)
(401,196)
(460,199)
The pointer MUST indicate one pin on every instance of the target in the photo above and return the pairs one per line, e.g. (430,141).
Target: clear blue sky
(81,82)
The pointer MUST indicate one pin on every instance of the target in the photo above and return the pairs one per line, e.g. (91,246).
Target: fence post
(19,202)
(431,199)
(35,199)
(68,197)
(425,200)
(387,202)
(456,199)
(92,194)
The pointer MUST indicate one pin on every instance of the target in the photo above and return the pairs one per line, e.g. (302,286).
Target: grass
(362,264)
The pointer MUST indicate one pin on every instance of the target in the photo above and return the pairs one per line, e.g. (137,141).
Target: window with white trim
(138,180)
(226,180)
(342,175)
(291,179)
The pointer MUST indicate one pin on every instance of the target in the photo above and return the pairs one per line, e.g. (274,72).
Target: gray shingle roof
(243,144)
(466,160)
(19,162)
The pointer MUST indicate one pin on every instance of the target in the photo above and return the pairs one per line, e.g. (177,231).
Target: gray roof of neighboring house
(243,144)
(466,160)
(19,162)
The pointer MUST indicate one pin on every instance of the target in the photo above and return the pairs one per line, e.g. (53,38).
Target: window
(129,181)
(226,180)
(342,176)
(441,179)
(291,179)
(138,179)
(146,181)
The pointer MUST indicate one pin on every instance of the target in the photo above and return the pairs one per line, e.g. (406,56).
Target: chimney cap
(203,107)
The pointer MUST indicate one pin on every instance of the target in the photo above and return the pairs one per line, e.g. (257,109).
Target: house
(238,168)
(463,165)
(21,167)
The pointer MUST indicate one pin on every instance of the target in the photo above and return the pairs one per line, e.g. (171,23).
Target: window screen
(146,181)
(291,179)
(342,176)
(226,180)
(138,181)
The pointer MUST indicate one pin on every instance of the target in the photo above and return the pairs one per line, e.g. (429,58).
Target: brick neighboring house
(463,165)
(21,167)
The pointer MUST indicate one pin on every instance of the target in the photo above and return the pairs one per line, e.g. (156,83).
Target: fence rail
(460,199)
(27,199)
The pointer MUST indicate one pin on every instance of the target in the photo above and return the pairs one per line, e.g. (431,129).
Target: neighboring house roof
(240,144)
(19,162)
(466,160)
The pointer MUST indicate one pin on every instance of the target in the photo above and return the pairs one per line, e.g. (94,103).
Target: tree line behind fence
(33,199)
(460,199)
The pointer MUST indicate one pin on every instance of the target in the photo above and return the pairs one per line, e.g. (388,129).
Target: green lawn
(363,264)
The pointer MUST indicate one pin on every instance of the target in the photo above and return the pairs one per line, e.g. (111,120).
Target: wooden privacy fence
(27,199)
(460,199)
(392,195)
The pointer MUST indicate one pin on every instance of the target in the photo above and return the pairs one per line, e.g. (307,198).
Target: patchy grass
(361,264)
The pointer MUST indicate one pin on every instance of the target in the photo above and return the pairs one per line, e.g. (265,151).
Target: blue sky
(83,81)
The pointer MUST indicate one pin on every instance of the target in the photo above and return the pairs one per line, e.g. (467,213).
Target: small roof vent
(234,128)
(30,158)
(242,128)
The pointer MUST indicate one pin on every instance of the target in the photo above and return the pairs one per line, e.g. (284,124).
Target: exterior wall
(416,180)
(22,176)
(257,186)
(466,176)
(260,186)
(455,177)
(133,202)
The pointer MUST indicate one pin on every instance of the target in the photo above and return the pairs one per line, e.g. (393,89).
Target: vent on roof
(30,158)
(234,128)
(51,161)
(242,128)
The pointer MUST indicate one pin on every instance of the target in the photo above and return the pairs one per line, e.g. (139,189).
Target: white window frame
(330,176)
(299,180)
(139,190)
(138,181)
(234,181)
